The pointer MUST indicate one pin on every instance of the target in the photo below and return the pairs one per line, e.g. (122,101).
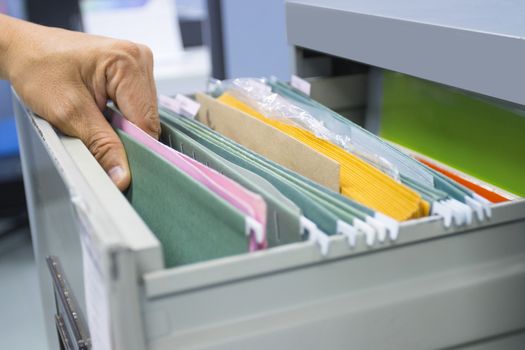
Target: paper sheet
(268,141)
(95,292)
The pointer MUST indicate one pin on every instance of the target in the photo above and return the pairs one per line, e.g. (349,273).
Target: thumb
(106,147)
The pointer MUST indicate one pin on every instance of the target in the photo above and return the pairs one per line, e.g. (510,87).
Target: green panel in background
(476,136)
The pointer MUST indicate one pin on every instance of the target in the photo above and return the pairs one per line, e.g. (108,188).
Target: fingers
(106,147)
(85,121)
(130,84)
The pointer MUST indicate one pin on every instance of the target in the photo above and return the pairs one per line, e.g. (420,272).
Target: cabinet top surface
(474,45)
(497,17)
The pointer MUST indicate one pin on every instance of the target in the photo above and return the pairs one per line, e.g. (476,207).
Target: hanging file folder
(262,139)
(460,200)
(283,215)
(359,180)
(192,223)
(317,203)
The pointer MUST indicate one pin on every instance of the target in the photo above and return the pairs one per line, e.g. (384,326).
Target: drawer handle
(65,342)
(70,323)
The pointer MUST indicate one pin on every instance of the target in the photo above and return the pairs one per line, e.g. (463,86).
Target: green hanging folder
(283,217)
(192,223)
(240,156)
(324,207)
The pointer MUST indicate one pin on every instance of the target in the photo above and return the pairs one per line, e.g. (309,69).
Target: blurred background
(192,40)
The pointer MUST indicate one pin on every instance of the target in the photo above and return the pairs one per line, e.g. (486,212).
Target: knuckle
(65,112)
(151,118)
(130,49)
(148,53)
(100,144)
(125,56)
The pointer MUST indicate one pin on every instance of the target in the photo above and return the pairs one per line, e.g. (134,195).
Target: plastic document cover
(455,202)
(358,180)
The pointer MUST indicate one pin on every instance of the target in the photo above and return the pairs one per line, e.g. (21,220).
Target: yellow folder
(358,180)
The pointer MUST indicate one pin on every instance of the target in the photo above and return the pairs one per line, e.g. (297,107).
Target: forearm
(8,33)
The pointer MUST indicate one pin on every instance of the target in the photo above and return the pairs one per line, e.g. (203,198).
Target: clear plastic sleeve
(258,95)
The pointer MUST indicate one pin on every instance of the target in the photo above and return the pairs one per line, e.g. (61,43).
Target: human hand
(67,78)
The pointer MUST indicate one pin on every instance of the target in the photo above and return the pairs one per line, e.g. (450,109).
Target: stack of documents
(322,211)
(452,198)
(261,165)
(196,212)
(358,179)
(278,100)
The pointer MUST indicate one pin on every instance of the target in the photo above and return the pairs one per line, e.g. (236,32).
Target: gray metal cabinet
(434,287)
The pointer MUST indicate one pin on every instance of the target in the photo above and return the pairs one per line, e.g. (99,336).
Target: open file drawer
(432,288)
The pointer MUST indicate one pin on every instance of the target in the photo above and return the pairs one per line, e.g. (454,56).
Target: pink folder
(249,203)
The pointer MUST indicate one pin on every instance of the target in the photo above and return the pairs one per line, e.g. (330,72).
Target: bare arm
(67,77)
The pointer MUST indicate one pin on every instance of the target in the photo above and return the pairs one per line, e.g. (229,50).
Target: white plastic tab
(487,205)
(307,225)
(440,209)
(255,227)
(465,209)
(458,213)
(368,230)
(348,231)
(378,226)
(476,206)
(181,105)
(391,224)
(315,235)
(324,242)
(301,84)
(168,103)
(468,212)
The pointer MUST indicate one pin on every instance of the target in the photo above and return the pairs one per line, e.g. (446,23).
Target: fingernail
(116,174)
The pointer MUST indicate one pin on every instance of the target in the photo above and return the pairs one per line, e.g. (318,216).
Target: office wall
(255,38)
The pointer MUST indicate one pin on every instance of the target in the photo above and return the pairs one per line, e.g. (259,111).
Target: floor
(21,318)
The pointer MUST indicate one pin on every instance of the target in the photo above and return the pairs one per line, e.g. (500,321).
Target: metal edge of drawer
(133,232)
(70,322)
(118,263)
(205,274)
(184,278)
(160,281)
(93,193)
(166,291)
(468,286)
(304,254)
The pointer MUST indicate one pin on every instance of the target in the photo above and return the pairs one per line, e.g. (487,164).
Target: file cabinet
(434,287)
